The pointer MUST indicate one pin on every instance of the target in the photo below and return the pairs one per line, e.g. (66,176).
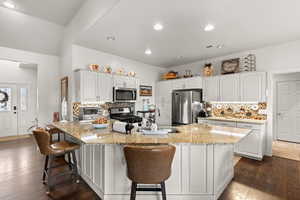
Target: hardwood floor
(21,173)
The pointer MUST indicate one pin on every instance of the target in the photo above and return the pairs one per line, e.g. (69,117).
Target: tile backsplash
(239,110)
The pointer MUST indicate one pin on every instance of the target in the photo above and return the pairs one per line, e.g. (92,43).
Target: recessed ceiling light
(209,27)
(9,4)
(158,27)
(220,46)
(148,52)
(111,38)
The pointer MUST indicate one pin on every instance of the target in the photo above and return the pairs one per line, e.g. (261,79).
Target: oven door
(125,94)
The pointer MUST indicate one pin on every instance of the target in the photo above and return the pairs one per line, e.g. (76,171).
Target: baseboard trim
(12,138)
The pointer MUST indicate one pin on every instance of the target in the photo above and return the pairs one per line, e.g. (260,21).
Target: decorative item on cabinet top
(230,66)
(248,63)
(94,67)
(208,69)
(170,75)
(239,110)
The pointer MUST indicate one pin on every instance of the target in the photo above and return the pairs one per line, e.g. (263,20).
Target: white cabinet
(125,82)
(193,83)
(93,87)
(229,88)
(251,146)
(246,87)
(164,102)
(211,88)
(253,86)
(105,89)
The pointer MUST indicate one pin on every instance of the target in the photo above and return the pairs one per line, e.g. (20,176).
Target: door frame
(275,99)
(18,84)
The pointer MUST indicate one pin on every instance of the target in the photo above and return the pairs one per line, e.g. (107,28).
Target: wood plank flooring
(21,169)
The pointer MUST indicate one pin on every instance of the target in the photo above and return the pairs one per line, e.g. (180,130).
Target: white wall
(21,31)
(48,79)
(147,74)
(283,57)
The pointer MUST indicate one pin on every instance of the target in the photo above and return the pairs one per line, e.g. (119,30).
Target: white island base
(199,172)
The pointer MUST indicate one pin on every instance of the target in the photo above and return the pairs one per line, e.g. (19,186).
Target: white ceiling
(240,25)
(57,11)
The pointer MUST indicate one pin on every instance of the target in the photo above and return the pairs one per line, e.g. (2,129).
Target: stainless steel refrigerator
(186,105)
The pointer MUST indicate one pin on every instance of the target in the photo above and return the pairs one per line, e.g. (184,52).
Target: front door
(288,111)
(8,110)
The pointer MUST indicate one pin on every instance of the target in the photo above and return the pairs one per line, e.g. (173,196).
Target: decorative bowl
(100,126)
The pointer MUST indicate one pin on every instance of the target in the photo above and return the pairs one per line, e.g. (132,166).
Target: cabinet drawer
(249,126)
(223,123)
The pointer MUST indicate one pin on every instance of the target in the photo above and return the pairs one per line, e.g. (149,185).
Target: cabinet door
(88,86)
(105,88)
(178,84)
(193,83)
(120,81)
(164,102)
(131,82)
(251,144)
(253,86)
(229,88)
(211,88)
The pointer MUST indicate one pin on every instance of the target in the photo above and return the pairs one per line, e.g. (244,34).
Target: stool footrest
(148,189)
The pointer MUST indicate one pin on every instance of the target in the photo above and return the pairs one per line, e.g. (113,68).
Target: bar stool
(149,165)
(53,130)
(52,151)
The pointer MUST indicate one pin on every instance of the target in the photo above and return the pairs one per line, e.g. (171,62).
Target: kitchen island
(202,166)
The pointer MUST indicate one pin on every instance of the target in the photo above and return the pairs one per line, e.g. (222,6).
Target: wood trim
(12,138)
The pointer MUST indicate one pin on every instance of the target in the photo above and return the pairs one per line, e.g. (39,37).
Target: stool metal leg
(51,160)
(45,169)
(75,166)
(69,161)
(133,191)
(163,190)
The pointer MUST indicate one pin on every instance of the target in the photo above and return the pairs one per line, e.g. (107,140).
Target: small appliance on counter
(88,113)
(202,113)
(126,119)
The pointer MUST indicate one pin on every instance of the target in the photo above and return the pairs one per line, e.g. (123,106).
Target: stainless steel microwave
(124,94)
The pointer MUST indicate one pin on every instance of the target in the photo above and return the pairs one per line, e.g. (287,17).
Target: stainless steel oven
(125,94)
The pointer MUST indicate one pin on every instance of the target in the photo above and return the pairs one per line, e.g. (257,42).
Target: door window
(5,94)
(23,99)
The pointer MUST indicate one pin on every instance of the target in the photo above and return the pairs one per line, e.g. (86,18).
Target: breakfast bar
(202,167)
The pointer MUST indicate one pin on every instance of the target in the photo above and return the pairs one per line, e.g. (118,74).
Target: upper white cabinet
(211,87)
(253,86)
(187,83)
(245,87)
(105,89)
(125,82)
(229,88)
(93,86)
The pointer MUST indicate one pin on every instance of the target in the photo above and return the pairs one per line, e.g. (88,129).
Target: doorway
(18,98)
(286,98)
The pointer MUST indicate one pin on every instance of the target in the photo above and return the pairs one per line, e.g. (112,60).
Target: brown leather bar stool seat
(51,151)
(149,164)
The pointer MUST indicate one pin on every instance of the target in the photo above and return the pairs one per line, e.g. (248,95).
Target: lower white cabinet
(199,171)
(251,146)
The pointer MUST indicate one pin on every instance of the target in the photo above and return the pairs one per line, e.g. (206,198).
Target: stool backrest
(149,164)
(42,138)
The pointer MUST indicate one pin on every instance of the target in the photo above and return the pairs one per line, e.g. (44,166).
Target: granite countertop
(230,119)
(194,133)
